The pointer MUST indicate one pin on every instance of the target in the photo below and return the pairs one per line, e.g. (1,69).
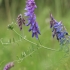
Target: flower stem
(33,42)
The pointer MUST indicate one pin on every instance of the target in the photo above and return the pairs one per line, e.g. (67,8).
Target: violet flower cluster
(30,7)
(8,66)
(58,29)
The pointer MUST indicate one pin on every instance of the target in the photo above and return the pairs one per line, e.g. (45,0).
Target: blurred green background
(42,59)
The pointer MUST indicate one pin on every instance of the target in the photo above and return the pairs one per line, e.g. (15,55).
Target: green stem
(33,42)
(8,10)
(26,56)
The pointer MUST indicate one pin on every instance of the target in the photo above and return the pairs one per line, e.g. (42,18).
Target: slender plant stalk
(33,42)
(58,8)
(8,10)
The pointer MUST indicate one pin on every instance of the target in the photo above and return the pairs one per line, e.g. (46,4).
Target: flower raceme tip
(9,66)
(20,21)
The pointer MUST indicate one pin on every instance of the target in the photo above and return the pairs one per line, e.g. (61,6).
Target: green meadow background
(42,59)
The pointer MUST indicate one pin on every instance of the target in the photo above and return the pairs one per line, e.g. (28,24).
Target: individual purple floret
(8,66)
(58,29)
(30,7)
(20,21)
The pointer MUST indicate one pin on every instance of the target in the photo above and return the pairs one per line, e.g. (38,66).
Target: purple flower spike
(30,7)
(58,29)
(8,66)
